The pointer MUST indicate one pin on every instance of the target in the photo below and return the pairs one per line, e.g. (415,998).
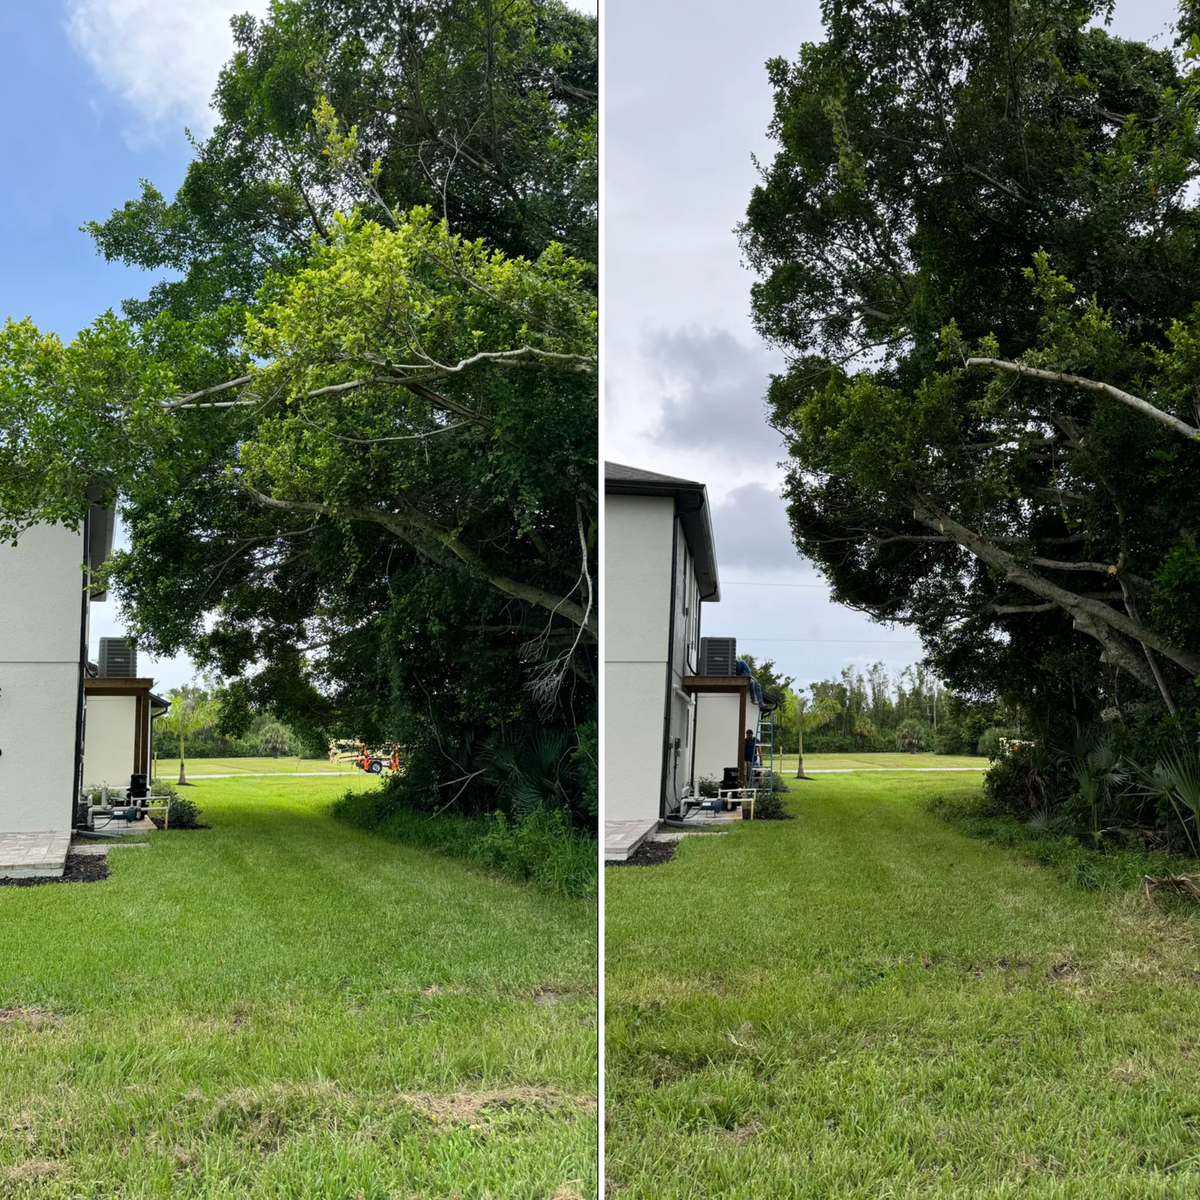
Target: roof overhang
(99,686)
(716,683)
(691,507)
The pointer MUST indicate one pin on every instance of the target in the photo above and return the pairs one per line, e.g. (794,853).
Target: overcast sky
(95,95)
(686,107)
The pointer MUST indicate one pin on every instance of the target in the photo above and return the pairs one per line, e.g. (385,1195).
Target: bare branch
(1091,385)
(405,525)
(1106,625)
(184,401)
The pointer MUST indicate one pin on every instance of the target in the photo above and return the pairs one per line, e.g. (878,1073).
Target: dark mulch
(648,854)
(80,868)
(158,824)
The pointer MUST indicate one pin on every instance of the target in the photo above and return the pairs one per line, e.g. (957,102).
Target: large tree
(355,438)
(991,181)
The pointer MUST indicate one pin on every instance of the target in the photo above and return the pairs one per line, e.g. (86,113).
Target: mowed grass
(863,1002)
(863,762)
(167,769)
(282,1006)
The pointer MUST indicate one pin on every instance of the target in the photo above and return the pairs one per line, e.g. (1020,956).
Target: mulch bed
(648,854)
(158,823)
(80,868)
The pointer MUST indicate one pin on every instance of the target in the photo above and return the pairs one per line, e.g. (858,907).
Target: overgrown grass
(1120,863)
(864,1002)
(284,1006)
(542,849)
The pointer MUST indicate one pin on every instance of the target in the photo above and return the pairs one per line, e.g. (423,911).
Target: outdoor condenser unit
(118,659)
(718,656)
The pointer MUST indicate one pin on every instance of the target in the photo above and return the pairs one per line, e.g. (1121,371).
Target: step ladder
(766,750)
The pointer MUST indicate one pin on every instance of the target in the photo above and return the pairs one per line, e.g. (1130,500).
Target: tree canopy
(963,195)
(354,440)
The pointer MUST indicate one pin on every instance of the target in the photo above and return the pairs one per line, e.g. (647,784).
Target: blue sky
(96,95)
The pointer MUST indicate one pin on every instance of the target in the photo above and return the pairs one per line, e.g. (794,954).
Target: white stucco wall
(633,740)
(637,577)
(637,611)
(719,734)
(41,593)
(108,741)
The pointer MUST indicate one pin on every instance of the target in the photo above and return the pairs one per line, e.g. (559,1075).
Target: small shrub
(770,805)
(1014,784)
(182,813)
(707,787)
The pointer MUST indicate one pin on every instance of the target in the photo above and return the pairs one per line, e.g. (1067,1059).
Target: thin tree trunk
(182,776)
(800,764)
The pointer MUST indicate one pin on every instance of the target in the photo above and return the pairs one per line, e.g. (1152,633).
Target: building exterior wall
(639,533)
(41,614)
(633,740)
(108,745)
(719,734)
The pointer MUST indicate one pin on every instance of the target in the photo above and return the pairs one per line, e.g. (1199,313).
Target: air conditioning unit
(718,656)
(118,659)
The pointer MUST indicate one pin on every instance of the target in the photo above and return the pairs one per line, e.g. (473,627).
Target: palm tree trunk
(800,764)
(182,777)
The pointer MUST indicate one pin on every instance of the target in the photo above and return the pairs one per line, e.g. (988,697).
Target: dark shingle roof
(619,473)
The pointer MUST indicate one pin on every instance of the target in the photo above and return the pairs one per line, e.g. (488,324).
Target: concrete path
(40,854)
(622,838)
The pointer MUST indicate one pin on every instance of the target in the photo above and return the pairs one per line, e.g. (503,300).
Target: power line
(855,641)
(751,583)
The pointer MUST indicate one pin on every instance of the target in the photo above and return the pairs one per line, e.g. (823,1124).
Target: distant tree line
(876,710)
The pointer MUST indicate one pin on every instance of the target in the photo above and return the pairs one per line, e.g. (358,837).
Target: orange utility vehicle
(361,756)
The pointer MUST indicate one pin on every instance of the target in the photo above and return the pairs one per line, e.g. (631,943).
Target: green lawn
(168,768)
(861,762)
(863,1002)
(281,1006)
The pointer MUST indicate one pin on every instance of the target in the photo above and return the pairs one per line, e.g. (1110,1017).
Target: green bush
(182,812)
(770,805)
(990,739)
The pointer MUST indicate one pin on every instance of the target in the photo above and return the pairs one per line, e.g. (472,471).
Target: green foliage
(183,813)
(383,261)
(911,736)
(982,180)
(1015,784)
(586,758)
(769,804)
(990,740)
(488,115)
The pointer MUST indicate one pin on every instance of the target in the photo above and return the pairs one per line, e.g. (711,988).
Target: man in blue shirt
(750,753)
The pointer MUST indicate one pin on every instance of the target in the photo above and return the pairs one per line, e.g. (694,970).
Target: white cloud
(161,56)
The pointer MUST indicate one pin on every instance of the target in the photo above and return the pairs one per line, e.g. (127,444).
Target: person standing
(750,755)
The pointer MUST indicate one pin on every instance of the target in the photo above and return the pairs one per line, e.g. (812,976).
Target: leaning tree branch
(1106,625)
(1091,385)
(404,525)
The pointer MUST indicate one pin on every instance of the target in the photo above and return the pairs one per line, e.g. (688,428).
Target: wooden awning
(717,683)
